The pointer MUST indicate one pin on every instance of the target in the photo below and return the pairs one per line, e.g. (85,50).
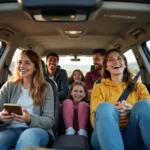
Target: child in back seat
(77,75)
(75,110)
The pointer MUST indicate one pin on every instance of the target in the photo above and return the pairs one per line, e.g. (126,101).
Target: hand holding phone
(26,117)
(5,117)
(13,108)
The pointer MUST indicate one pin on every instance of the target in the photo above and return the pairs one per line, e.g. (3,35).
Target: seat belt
(123,122)
(128,89)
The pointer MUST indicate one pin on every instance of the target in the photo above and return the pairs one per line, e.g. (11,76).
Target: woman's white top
(25,100)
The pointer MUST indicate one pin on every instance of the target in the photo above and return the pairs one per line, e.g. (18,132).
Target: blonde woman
(27,87)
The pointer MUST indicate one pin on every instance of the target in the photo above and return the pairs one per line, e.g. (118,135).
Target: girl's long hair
(71,77)
(127,76)
(38,84)
(80,83)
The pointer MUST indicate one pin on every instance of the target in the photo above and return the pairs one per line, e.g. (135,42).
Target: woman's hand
(5,116)
(127,106)
(25,117)
(123,108)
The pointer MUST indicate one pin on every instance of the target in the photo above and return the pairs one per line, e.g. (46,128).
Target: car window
(148,45)
(132,63)
(84,64)
(15,56)
(2,48)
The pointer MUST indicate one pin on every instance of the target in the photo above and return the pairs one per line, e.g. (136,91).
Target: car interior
(75,28)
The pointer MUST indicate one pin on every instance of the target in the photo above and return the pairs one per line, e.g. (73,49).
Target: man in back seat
(93,75)
(57,74)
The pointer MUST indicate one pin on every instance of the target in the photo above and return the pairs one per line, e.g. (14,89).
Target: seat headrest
(44,68)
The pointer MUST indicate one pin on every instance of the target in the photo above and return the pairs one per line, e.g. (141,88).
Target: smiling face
(77,76)
(25,66)
(52,63)
(115,64)
(97,60)
(78,93)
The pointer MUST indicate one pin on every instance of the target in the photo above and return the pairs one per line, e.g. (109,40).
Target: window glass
(13,62)
(2,48)
(148,45)
(132,63)
(84,64)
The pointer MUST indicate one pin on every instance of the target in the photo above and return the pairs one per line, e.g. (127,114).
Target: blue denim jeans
(108,136)
(23,137)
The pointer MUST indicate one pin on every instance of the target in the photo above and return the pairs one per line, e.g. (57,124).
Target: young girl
(76,75)
(75,110)
(106,111)
(27,87)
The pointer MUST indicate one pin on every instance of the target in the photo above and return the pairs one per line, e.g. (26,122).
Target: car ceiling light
(73,32)
(120,16)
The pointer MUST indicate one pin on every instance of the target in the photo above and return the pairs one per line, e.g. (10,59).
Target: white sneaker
(70,131)
(82,132)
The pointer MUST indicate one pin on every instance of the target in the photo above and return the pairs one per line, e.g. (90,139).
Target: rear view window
(84,64)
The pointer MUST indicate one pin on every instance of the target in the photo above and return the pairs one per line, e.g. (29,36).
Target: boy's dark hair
(100,51)
(52,54)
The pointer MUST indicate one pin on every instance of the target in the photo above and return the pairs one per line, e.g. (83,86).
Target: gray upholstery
(72,142)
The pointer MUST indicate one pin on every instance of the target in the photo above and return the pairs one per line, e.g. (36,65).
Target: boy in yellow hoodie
(106,112)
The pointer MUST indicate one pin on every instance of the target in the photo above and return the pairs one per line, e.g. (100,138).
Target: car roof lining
(98,31)
(139,1)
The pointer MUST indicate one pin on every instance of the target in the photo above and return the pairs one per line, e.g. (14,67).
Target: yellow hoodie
(109,91)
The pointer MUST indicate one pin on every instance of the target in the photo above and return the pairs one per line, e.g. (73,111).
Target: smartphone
(15,108)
